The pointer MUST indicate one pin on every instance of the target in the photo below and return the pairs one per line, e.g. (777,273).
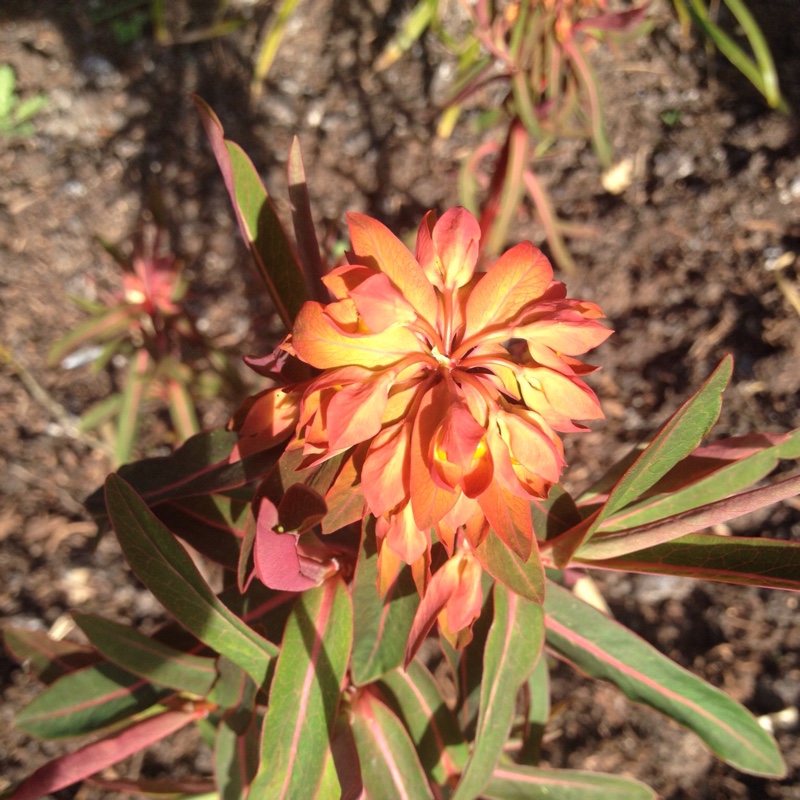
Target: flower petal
(376,246)
(509,517)
(519,277)
(384,476)
(456,238)
(380,304)
(354,412)
(318,342)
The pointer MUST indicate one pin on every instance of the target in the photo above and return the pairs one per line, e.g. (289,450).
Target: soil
(694,259)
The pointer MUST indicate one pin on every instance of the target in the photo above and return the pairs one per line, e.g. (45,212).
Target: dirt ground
(695,259)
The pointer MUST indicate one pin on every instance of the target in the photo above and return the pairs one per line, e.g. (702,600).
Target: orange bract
(454,383)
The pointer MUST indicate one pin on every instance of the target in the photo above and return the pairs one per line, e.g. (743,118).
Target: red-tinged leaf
(319,342)
(526,578)
(259,224)
(512,782)
(86,701)
(156,788)
(709,484)
(114,323)
(619,21)
(380,625)
(517,278)
(167,570)
(390,767)
(769,563)
(148,658)
(416,699)
(300,508)
(676,440)
(621,543)
(374,245)
(510,518)
(513,647)
(277,561)
(69,769)
(604,649)
(200,466)
(344,498)
(304,694)
(304,232)
(47,658)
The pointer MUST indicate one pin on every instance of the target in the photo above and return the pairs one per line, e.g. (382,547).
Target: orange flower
(453,384)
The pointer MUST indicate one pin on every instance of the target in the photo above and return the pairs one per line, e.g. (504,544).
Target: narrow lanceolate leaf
(304,694)
(47,658)
(538,713)
(771,563)
(654,533)
(512,782)
(236,753)
(601,648)
(390,768)
(147,658)
(87,700)
(380,625)
(259,224)
(526,578)
(513,647)
(200,466)
(169,573)
(416,699)
(674,441)
(69,769)
(727,479)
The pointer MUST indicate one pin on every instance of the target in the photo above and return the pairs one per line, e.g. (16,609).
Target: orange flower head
(446,386)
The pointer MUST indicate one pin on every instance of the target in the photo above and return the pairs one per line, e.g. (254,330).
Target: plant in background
(401,471)
(147,326)
(758,69)
(15,113)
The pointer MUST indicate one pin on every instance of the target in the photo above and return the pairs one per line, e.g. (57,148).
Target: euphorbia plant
(402,469)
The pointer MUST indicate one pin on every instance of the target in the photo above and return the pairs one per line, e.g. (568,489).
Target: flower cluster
(444,390)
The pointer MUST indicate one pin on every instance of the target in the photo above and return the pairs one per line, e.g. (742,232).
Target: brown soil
(682,262)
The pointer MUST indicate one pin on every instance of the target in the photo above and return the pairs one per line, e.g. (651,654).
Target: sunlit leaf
(304,694)
(390,767)
(512,782)
(601,648)
(513,647)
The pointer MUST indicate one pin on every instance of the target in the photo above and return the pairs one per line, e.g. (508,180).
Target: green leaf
(601,648)
(136,381)
(726,480)
(86,701)
(770,563)
(47,658)
(304,695)
(147,658)
(526,578)
(415,697)
(114,323)
(674,442)
(381,626)
(611,545)
(513,647)
(511,782)
(389,765)
(166,569)
(259,224)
